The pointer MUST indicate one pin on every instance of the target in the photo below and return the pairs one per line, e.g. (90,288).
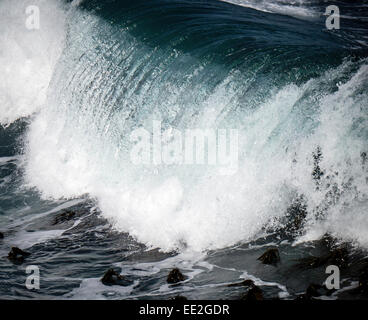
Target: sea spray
(28,56)
(113,77)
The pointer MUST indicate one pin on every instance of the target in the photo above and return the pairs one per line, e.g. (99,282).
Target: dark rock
(63,217)
(175,276)
(1,235)
(271,256)
(111,277)
(17,255)
(328,241)
(253,294)
(179,298)
(315,290)
(245,283)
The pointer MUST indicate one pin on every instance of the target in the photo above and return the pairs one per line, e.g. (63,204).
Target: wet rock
(315,290)
(111,277)
(328,241)
(1,235)
(271,256)
(245,283)
(17,255)
(253,294)
(179,298)
(175,276)
(63,217)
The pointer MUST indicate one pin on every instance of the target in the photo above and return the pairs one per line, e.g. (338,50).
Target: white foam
(341,137)
(295,8)
(207,211)
(26,239)
(27,57)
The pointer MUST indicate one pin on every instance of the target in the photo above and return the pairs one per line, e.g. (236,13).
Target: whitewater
(91,75)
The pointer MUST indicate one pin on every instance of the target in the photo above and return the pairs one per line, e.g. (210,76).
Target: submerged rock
(63,217)
(310,262)
(253,294)
(17,255)
(175,276)
(315,290)
(111,277)
(337,257)
(271,256)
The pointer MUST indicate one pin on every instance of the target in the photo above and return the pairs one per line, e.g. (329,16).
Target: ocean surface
(73,91)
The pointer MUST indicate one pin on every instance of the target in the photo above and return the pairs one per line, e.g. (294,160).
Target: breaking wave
(94,73)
